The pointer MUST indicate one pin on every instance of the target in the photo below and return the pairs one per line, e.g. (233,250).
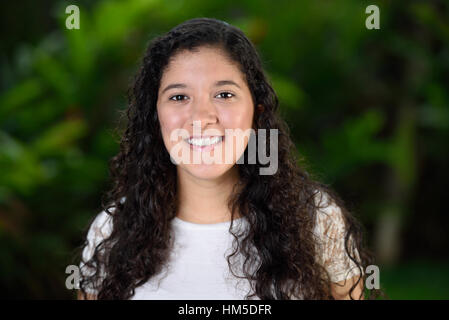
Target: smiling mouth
(203,143)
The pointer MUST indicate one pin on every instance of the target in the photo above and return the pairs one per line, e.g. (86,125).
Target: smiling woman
(206,108)
(214,230)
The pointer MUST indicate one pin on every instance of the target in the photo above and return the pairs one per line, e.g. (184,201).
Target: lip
(204,148)
(203,137)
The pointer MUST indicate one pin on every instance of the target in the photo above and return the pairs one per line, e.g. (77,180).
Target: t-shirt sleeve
(330,231)
(99,230)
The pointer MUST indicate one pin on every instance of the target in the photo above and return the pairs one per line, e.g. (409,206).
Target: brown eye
(177,96)
(226,95)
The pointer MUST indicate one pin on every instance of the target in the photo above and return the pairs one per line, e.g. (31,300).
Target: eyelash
(225,92)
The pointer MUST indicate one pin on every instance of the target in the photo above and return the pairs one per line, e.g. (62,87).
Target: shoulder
(330,234)
(101,226)
(329,219)
(99,230)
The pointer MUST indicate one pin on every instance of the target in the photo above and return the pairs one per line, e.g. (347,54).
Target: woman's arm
(340,290)
(88,296)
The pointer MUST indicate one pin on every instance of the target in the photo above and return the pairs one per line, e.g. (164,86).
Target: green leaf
(59,137)
(289,93)
(56,75)
(21,170)
(20,95)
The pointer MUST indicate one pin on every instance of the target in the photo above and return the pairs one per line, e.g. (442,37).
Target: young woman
(175,229)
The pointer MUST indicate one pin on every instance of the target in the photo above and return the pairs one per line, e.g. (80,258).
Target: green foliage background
(368,111)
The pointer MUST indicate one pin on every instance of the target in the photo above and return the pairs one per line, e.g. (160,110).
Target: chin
(207,171)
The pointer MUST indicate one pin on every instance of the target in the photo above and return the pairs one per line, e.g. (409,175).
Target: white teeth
(204,141)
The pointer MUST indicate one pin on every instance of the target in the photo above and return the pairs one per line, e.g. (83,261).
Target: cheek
(238,118)
(169,120)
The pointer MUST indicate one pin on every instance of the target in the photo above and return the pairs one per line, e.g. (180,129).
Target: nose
(203,113)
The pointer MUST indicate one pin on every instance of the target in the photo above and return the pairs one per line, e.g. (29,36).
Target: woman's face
(205,112)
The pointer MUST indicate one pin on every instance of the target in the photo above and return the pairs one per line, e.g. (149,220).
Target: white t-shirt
(198,269)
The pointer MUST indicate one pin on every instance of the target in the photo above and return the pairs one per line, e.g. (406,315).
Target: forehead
(203,61)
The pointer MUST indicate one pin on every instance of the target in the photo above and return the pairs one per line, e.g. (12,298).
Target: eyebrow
(217,84)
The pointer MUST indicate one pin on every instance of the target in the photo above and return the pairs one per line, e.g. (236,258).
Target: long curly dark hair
(280,208)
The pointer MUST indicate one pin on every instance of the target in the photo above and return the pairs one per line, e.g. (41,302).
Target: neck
(205,201)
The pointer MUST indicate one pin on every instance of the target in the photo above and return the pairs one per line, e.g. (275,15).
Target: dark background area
(368,111)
